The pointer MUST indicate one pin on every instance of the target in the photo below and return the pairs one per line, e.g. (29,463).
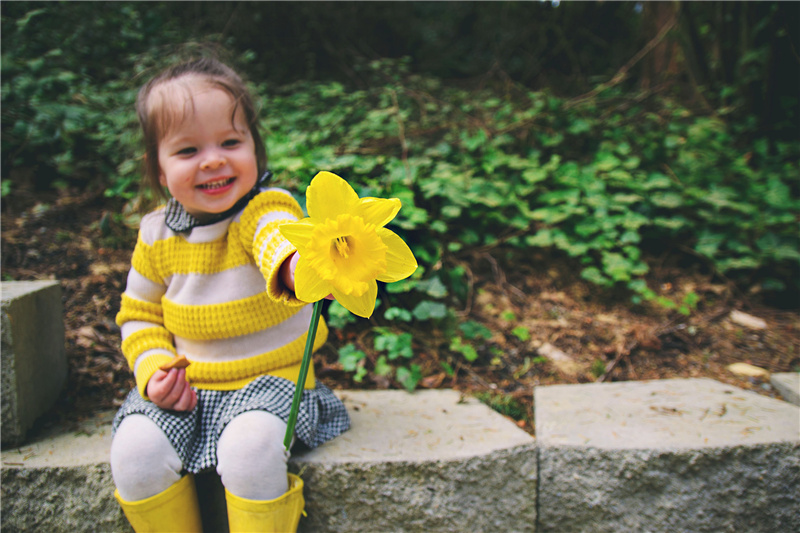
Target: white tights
(251,459)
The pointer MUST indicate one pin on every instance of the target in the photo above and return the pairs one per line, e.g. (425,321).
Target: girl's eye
(187,151)
(231,143)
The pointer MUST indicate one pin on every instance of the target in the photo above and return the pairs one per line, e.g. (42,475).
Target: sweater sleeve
(260,221)
(146,343)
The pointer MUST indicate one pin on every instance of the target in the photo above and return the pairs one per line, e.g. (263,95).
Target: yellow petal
(363,305)
(378,211)
(309,286)
(400,261)
(329,196)
(298,233)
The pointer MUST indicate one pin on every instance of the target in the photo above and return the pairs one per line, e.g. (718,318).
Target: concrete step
(681,455)
(675,455)
(427,461)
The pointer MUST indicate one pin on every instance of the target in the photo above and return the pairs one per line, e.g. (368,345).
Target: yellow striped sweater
(202,294)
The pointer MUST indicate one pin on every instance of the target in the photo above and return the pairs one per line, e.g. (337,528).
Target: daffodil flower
(344,251)
(344,247)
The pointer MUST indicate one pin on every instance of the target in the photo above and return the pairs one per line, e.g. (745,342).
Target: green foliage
(508,316)
(397,313)
(606,181)
(409,377)
(339,317)
(352,360)
(689,303)
(68,113)
(504,404)
(466,349)
(426,310)
(522,333)
(475,330)
(598,368)
(395,344)
(542,172)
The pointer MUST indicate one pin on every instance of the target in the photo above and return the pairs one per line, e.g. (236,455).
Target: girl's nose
(213,161)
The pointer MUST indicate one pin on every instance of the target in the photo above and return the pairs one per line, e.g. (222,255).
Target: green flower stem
(301,379)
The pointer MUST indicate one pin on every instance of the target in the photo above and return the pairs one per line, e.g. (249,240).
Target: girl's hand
(170,390)
(286,273)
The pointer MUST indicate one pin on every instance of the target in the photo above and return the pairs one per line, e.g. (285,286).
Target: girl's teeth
(217,184)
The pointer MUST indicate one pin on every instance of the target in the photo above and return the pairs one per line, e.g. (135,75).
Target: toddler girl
(212,279)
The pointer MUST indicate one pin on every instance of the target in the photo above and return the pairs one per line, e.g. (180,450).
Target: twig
(620,354)
(229,22)
(402,134)
(674,176)
(504,239)
(470,290)
(622,73)
(501,277)
(477,377)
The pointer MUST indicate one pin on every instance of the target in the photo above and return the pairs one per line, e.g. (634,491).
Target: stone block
(682,455)
(34,363)
(427,461)
(788,385)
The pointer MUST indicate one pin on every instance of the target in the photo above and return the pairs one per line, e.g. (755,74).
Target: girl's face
(206,160)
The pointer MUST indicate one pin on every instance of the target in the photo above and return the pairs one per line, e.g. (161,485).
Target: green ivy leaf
(396,345)
(433,287)
(593,275)
(397,313)
(350,357)
(474,330)
(522,333)
(464,348)
(382,368)
(338,316)
(426,310)
(409,378)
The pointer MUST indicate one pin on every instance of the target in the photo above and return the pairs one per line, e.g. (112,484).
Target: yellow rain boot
(174,510)
(274,516)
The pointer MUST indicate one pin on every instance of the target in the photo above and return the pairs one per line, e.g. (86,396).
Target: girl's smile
(217,186)
(207,158)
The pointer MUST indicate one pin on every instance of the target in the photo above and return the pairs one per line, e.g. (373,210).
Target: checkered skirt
(194,434)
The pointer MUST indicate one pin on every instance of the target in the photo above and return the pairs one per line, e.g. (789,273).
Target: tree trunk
(662,65)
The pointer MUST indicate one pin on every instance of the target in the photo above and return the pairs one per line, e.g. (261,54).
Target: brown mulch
(531,304)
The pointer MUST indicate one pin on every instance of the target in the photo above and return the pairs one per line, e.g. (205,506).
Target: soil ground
(535,306)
